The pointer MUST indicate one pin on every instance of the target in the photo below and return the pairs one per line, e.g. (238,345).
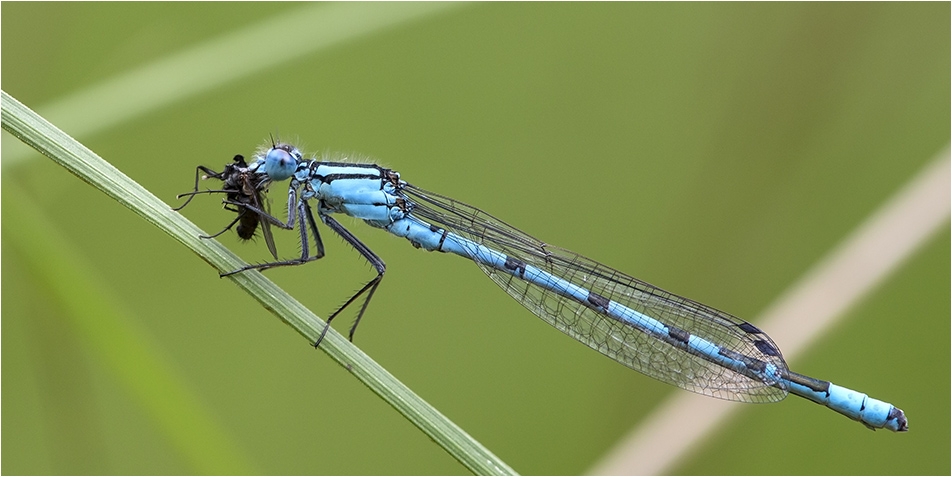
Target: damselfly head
(281,160)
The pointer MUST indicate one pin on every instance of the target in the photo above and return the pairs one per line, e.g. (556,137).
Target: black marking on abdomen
(751,363)
(815,385)
(442,239)
(731,354)
(598,300)
(896,414)
(679,334)
(513,264)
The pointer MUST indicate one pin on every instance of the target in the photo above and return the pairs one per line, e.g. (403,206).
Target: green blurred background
(716,150)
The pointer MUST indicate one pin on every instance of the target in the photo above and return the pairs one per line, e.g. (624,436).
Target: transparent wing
(252,189)
(265,205)
(623,343)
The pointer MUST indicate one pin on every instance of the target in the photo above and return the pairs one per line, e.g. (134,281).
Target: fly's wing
(622,342)
(259,201)
(251,189)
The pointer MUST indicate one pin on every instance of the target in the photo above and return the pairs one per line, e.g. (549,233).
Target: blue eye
(280,162)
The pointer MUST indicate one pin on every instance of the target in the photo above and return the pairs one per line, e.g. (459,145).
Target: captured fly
(242,187)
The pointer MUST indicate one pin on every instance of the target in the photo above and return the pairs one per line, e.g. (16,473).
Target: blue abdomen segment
(855,405)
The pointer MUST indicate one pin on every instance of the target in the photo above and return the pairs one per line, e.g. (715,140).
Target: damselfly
(660,334)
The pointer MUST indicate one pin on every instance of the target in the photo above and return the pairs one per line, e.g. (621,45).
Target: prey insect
(242,188)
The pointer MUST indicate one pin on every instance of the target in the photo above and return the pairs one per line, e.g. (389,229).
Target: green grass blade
(57,145)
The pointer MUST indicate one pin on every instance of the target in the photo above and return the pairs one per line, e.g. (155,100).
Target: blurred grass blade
(244,52)
(57,145)
(103,326)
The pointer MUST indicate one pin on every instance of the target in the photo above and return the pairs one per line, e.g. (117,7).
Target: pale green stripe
(277,40)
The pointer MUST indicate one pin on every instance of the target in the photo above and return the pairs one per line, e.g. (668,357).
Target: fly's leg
(227,228)
(209,173)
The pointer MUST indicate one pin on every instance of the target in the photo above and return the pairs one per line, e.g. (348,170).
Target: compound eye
(281,162)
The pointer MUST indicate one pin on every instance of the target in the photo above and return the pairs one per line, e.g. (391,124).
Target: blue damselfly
(663,335)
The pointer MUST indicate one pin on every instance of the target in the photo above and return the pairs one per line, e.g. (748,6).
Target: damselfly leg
(301,213)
